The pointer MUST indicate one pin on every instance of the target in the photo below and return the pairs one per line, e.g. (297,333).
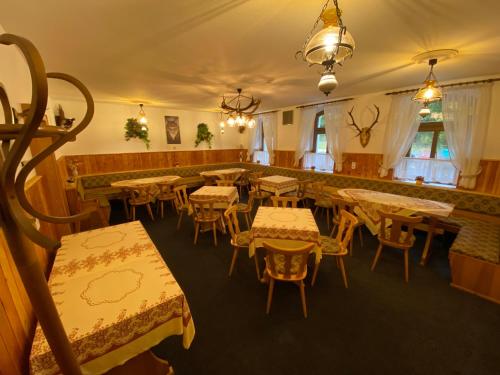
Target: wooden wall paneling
(285,159)
(488,180)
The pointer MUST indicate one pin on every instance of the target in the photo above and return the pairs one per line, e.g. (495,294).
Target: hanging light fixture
(239,110)
(430,92)
(329,46)
(142,117)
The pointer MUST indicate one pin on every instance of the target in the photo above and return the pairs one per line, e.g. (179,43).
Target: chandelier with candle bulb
(239,110)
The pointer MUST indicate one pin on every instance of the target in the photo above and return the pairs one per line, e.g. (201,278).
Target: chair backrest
(231,215)
(302,190)
(319,190)
(285,263)
(254,176)
(138,194)
(181,197)
(209,180)
(346,228)
(251,199)
(340,204)
(256,185)
(232,176)
(166,188)
(285,201)
(244,177)
(394,236)
(203,209)
(225,182)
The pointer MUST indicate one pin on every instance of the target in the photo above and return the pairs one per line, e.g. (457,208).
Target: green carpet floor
(380,325)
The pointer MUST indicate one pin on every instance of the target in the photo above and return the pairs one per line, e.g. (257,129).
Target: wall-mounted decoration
(173,130)
(203,135)
(287,117)
(133,129)
(364,133)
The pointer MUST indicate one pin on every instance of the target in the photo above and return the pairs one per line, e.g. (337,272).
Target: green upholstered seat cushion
(480,240)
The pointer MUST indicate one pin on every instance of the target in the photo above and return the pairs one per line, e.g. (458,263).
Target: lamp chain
(314,28)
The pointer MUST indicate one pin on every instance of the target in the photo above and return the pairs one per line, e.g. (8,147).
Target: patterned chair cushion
(325,203)
(402,236)
(480,240)
(243,239)
(330,247)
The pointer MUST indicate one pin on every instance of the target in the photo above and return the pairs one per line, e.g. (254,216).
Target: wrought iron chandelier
(329,46)
(239,110)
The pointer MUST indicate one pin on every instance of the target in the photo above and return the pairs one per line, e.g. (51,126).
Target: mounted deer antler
(364,134)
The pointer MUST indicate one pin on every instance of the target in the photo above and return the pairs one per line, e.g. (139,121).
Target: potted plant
(203,135)
(419,180)
(134,129)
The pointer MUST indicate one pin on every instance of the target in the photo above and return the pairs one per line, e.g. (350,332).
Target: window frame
(436,128)
(318,131)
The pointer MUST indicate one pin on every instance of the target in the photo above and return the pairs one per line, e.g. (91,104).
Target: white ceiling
(187,53)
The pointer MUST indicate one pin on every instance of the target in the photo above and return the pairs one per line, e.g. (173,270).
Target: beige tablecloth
(225,196)
(279,184)
(221,173)
(372,201)
(116,298)
(145,181)
(290,227)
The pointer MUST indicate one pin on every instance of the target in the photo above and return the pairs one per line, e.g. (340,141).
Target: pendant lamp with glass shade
(142,117)
(430,92)
(329,46)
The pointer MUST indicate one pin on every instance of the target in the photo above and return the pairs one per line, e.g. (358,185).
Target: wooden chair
(204,214)
(95,213)
(140,196)
(290,265)
(284,201)
(260,195)
(340,204)
(395,236)
(301,191)
(166,195)
(246,208)
(225,182)
(337,246)
(254,176)
(239,239)
(322,199)
(243,182)
(209,180)
(181,202)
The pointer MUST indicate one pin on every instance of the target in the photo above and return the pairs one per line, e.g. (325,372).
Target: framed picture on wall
(173,130)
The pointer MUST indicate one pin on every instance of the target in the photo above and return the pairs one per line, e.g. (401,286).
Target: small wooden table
(224,195)
(222,173)
(116,298)
(371,201)
(289,227)
(279,184)
(145,181)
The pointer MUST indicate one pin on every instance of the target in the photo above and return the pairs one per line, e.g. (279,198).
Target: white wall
(105,134)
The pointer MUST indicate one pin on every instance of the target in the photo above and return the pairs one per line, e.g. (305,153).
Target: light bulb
(328,82)
(231,121)
(330,41)
(143,120)
(251,123)
(144,128)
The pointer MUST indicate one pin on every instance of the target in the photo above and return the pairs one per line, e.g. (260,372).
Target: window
(428,155)
(260,154)
(319,140)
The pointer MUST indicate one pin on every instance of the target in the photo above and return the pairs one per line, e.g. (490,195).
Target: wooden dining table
(145,181)
(116,298)
(370,202)
(279,184)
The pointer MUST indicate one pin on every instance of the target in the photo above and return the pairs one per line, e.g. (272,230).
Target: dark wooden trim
(317,130)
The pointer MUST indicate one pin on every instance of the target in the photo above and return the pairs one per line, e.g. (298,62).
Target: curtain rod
(447,85)
(266,112)
(322,103)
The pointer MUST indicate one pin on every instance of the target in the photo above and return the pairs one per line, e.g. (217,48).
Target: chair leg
(303,298)
(233,260)
(161,202)
(150,212)
(133,213)
(247,219)
(196,231)
(257,269)
(333,229)
(270,295)
(342,269)
(316,210)
(125,208)
(180,220)
(377,255)
(315,274)
(406,266)
(328,217)
(214,228)
(360,232)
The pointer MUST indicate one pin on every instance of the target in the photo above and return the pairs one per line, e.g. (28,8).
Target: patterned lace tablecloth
(221,173)
(372,201)
(224,195)
(145,181)
(279,184)
(290,227)
(116,298)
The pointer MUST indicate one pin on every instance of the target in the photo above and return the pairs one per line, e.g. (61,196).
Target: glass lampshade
(231,121)
(328,82)
(251,123)
(429,92)
(323,45)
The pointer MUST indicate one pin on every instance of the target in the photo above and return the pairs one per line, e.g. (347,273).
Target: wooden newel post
(14,205)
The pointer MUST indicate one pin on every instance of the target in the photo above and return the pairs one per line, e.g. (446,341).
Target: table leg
(428,241)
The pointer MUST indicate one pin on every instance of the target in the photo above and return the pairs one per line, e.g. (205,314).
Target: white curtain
(254,137)
(305,132)
(321,162)
(261,157)
(401,129)
(269,127)
(465,118)
(335,134)
(433,170)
